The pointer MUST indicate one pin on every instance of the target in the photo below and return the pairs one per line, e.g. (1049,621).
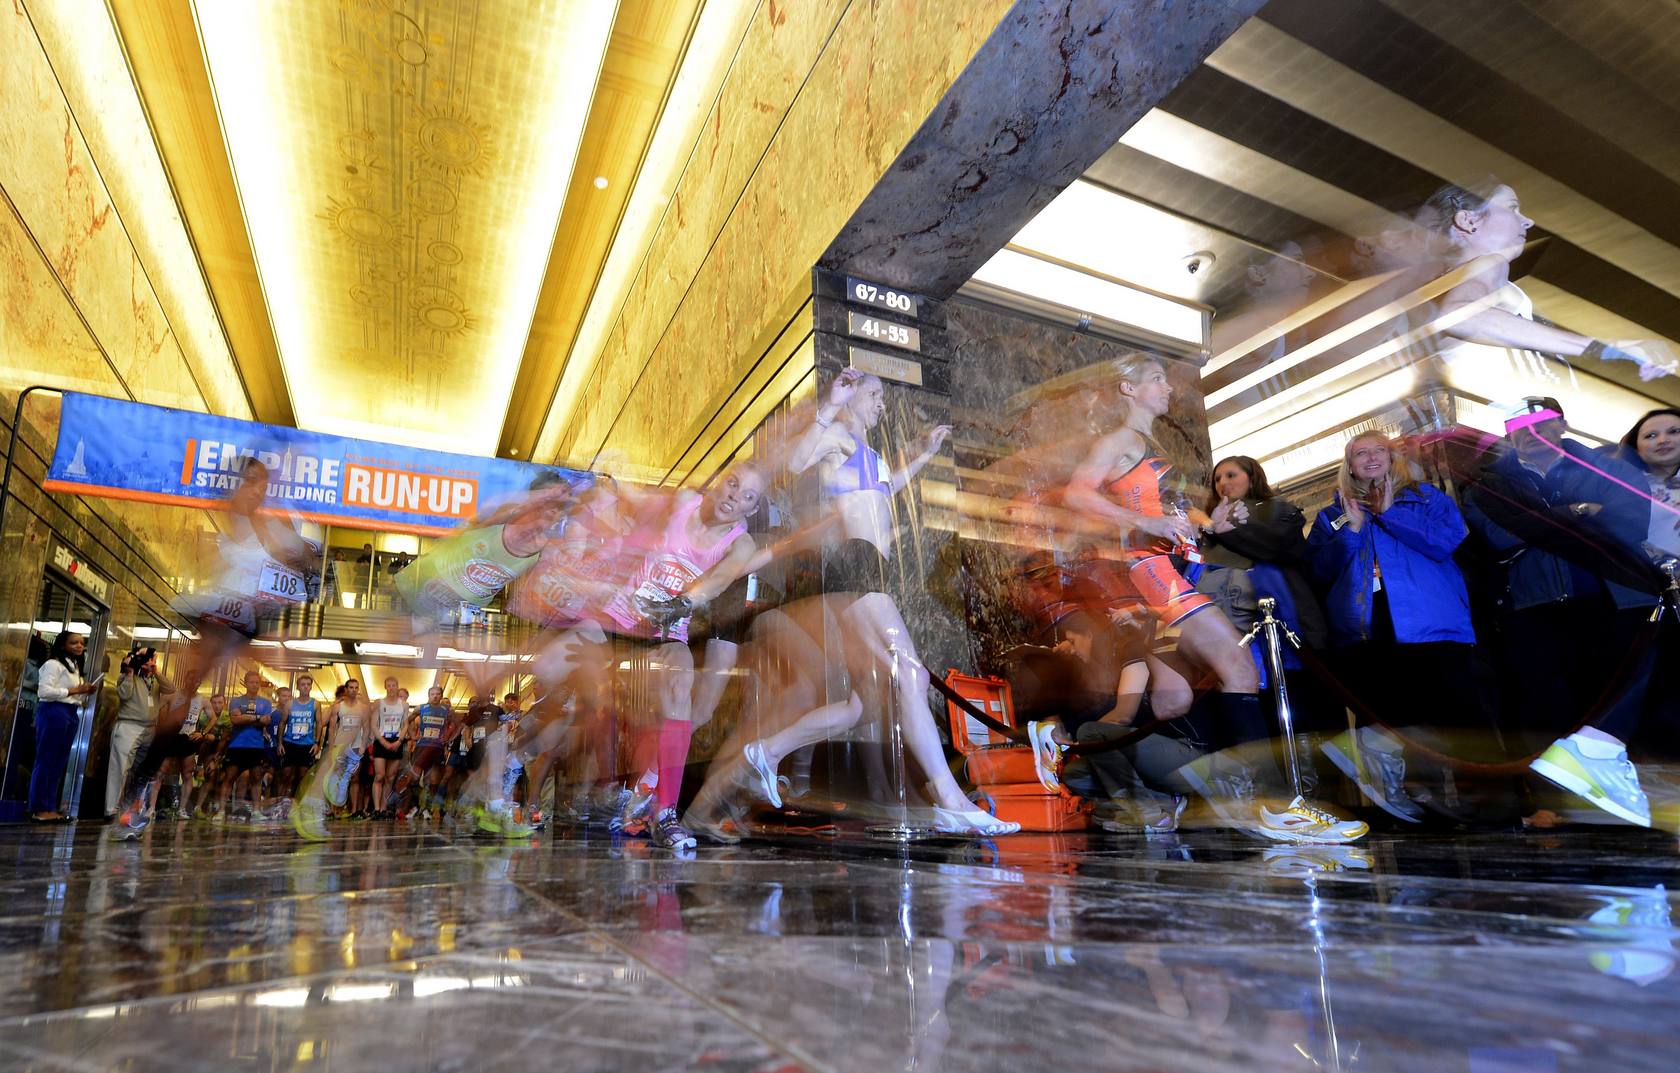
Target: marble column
(1054,86)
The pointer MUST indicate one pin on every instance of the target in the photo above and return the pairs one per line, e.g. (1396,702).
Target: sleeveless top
(1502,375)
(300,723)
(470,567)
(433,719)
(391,715)
(669,570)
(862,471)
(1149,487)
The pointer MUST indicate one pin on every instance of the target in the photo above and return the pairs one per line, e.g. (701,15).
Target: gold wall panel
(647,47)
(811,117)
(55,189)
(87,58)
(161,44)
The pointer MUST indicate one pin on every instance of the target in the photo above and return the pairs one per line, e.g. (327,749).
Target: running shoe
(340,776)
(753,753)
(1376,762)
(497,818)
(309,820)
(1598,771)
(1303,860)
(667,832)
(971,823)
(1047,753)
(632,809)
(1303,821)
(1226,785)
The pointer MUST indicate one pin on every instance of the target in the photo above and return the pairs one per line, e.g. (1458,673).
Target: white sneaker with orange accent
(1302,821)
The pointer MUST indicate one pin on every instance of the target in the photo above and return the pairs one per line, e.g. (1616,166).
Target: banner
(128,450)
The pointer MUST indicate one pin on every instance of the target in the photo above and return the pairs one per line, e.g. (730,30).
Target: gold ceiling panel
(401,168)
(649,39)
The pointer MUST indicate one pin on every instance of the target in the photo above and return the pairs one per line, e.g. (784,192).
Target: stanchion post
(1275,631)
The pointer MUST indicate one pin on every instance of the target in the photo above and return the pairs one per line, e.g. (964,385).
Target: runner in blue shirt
(300,735)
(434,725)
(251,716)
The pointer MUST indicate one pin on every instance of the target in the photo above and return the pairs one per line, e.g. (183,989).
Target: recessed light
(600,182)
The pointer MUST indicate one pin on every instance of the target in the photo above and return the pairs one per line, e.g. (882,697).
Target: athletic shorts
(297,754)
(475,757)
(855,566)
(385,751)
(1148,585)
(425,755)
(176,746)
(245,759)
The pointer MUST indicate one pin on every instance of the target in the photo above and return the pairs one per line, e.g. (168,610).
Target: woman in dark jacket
(1399,613)
(1629,495)
(1255,547)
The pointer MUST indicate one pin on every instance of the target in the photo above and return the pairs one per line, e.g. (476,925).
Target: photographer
(138,688)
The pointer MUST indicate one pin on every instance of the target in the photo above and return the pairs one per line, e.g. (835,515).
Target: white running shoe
(667,832)
(1303,821)
(753,753)
(1598,771)
(973,822)
(1303,860)
(1376,762)
(1047,753)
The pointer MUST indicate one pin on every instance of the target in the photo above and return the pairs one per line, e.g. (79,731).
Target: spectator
(1398,611)
(138,689)
(56,719)
(1630,495)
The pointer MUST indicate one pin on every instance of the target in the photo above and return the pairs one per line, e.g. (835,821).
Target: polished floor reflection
(214,949)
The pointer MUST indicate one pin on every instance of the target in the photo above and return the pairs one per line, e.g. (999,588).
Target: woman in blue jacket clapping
(1398,611)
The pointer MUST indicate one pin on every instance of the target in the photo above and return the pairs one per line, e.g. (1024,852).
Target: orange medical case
(1003,770)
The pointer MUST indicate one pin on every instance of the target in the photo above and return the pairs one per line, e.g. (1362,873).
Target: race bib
(282,583)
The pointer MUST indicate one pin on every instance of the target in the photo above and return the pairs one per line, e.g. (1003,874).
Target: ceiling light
(323,645)
(456,653)
(600,182)
(360,992)
(1082,293)
(381,648)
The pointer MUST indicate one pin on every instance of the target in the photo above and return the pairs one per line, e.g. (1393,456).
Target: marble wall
(1028,399)
(78,312)
(821,99)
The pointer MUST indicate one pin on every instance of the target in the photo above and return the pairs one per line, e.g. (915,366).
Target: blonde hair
(1130,370)
(1398,478)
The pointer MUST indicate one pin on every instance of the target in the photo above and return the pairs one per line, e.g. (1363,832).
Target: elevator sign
(873,294)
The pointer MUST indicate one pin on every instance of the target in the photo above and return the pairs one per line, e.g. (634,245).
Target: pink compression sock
(674,736)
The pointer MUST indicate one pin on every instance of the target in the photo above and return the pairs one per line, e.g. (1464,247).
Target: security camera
(1199,260)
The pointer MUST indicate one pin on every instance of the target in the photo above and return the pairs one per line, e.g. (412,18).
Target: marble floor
(206,948)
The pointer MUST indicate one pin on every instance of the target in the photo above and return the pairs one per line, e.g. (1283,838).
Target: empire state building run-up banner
(128,450)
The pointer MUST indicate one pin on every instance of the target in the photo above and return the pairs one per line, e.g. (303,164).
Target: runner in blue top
(434,726)
(251,717)
(300,735)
